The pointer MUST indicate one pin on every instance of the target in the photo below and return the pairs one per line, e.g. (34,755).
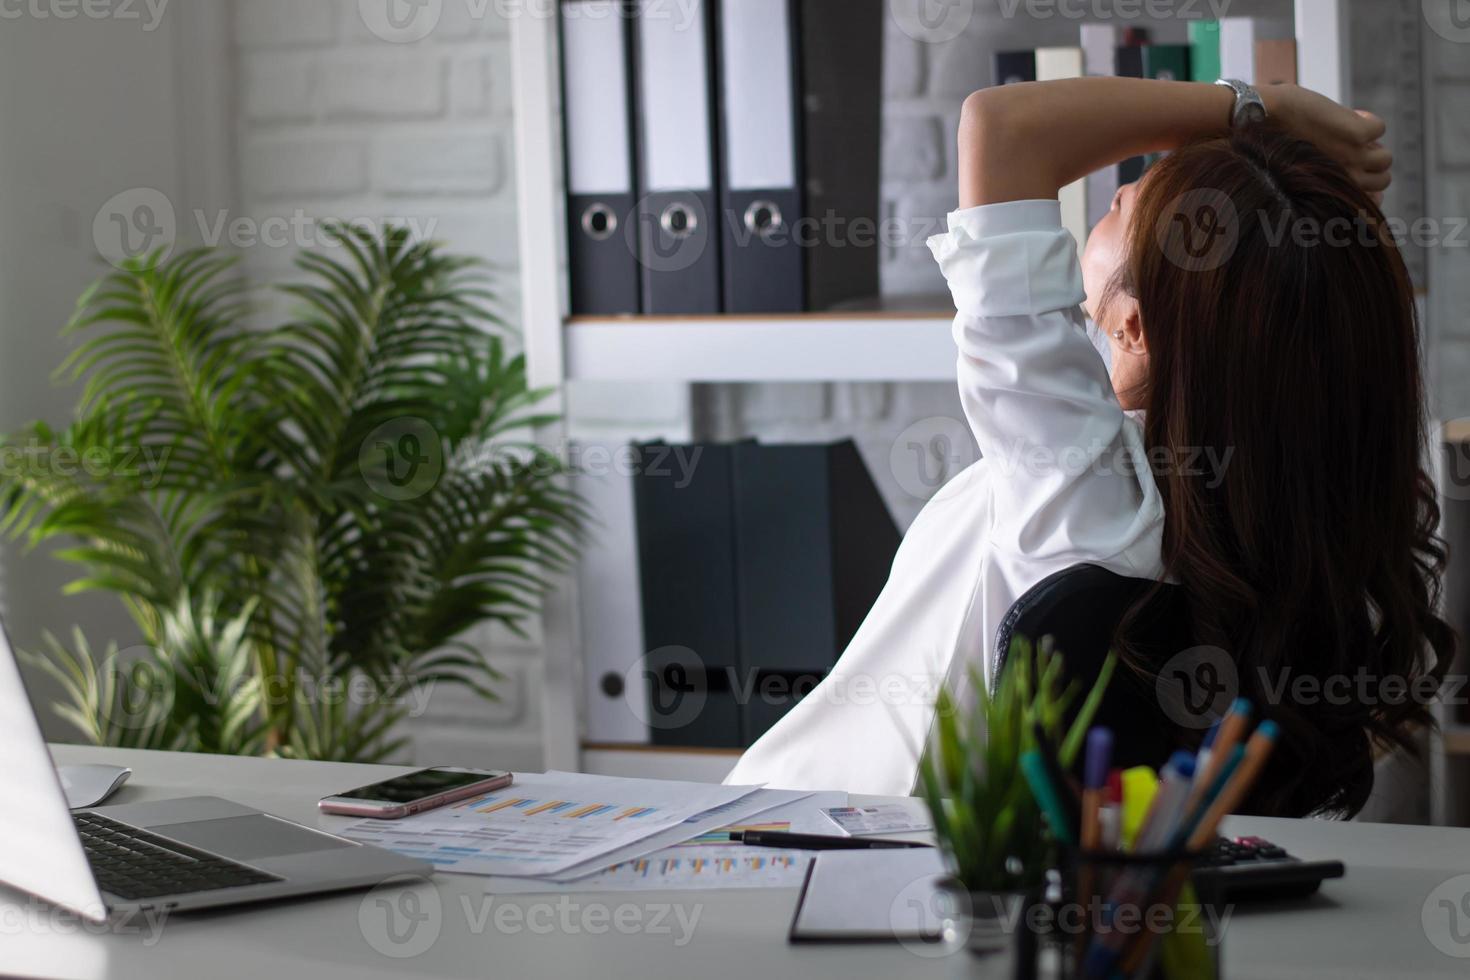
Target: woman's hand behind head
(1346,135)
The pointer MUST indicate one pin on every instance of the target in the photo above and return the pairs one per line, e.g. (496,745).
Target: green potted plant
(987,822)
(304,520)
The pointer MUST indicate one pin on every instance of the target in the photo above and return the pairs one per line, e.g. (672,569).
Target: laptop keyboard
(132,863)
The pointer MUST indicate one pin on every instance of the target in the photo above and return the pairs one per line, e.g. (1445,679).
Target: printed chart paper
(708,861)
(543,823)
(735,812)
(881,818)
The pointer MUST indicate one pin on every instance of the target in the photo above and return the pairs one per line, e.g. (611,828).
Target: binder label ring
(763,218)
(599,222)
(677,221)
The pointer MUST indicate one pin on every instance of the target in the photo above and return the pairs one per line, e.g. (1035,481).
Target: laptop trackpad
(256,835)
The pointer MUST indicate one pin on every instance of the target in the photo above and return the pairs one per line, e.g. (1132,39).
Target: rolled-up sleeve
(1068,472)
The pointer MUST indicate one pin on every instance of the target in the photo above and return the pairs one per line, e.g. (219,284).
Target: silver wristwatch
(1249,107)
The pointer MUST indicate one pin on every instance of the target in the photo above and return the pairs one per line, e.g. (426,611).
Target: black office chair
(1079,608)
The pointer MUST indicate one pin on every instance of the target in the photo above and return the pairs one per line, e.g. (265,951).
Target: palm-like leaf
(109,701)
(263,536)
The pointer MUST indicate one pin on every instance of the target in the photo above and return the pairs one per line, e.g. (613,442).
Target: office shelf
(658,761)
(865,346)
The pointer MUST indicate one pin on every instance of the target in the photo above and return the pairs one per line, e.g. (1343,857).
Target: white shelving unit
(873,346)
(810,347)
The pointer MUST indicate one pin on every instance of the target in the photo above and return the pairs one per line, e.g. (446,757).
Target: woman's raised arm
(1028,140)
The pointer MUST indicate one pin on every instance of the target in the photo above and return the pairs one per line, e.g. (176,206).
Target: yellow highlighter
(1139,786)
(1186,953)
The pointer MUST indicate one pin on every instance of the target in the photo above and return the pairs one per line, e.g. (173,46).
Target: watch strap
(1249,106)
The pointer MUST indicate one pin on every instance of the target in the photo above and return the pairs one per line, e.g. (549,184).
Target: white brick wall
(303,166)
(465,163)
(378,85)
(335,121)
(285,23)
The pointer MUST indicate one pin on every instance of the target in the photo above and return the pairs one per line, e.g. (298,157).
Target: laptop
(193,853)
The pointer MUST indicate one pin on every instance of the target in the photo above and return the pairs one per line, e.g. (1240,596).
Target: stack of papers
(548,823)
(707,860)
(571,832)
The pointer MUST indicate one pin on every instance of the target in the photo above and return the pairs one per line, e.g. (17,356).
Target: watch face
(1249,108)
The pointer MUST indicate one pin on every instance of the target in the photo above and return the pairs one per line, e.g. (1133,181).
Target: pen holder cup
(1110,914)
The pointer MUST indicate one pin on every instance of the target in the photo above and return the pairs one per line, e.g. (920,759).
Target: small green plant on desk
(985,817)
(305,521)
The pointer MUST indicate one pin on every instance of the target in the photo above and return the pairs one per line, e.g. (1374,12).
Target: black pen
(815,842)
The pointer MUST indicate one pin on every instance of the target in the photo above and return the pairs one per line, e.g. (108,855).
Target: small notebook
(872,895)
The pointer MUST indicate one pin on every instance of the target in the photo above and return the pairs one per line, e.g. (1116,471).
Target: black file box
(686,573)
(759,96)
(755,575)
(842,124)
(598,162)
(677,236)
(1015,66)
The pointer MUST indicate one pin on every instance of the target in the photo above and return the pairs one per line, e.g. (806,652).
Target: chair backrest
(1080,608)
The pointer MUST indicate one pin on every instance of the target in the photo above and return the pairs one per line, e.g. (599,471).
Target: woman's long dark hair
(1281,330)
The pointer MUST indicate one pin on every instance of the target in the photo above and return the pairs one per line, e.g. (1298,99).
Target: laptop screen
(40,852)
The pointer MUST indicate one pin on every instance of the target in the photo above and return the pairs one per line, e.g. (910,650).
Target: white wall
(335,122)
(90,107)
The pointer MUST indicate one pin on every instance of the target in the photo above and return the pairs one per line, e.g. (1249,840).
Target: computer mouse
(89,785)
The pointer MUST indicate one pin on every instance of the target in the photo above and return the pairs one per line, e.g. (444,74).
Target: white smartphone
(414,792)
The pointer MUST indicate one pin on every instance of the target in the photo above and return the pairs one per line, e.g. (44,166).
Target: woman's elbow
(988,117)
(1001,157)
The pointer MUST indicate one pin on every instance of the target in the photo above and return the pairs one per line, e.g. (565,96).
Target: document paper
(708,861)
(737,812)
(544,823)
(881,818)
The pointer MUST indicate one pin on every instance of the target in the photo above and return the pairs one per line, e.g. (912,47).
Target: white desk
(1366,925)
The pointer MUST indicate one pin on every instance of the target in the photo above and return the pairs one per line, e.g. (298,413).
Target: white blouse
(1063,479)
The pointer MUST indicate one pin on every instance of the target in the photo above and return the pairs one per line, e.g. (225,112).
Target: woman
(1256,317)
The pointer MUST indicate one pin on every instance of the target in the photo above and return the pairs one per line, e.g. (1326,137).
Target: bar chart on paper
(555,808)
(709,861)
(706,861)
(540,826)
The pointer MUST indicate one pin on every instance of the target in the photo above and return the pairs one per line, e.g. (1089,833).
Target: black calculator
(1249,868)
